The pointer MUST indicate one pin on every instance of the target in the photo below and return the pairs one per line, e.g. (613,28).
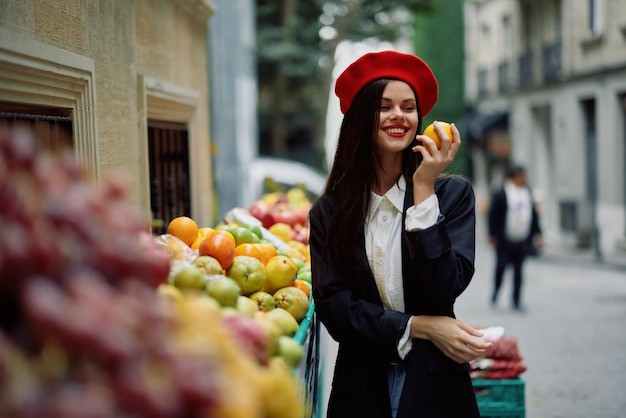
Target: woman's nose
(397,113)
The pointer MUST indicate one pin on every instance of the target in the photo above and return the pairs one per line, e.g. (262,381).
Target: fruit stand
(308,371)
(101,318)
(500,391)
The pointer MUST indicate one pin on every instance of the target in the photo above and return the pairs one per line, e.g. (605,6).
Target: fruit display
(285,214)
(99,318)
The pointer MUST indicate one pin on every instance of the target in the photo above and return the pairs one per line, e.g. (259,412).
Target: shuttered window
(51,127)
(168,148)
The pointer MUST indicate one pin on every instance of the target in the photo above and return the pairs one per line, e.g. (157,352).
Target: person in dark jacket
(392,247)
(514,230)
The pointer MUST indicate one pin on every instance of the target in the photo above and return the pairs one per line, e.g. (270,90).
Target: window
(168,150)
(594,18)
(51,127)
(50,86)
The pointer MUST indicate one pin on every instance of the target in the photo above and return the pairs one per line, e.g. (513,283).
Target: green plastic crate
(308,372)
(500,398)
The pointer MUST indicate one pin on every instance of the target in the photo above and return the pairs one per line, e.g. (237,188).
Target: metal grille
(53,133)
(168,148)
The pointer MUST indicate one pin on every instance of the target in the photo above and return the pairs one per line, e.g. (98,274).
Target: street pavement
(572,335)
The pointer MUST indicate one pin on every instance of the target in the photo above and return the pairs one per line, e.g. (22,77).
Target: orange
(202,234)
(432,134)
(302,285)
(205,231)
(267,250)
(183,228)
(220,245)
(249,249)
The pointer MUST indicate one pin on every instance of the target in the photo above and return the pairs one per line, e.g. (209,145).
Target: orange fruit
(196,244)
(249,249)
(432,134)
(302,285)
(183,228)
(267,250)
(205,231)
(220,245)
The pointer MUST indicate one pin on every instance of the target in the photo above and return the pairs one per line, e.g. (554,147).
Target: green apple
(299,262)
(264,300)
(208,264)
(290,350)
(246,306)
(256,229)
(286,322)
(248,272)
(305,276)
(189,277)
(225,290)
(243,235)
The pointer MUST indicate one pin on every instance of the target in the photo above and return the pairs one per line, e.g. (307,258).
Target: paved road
(572,336)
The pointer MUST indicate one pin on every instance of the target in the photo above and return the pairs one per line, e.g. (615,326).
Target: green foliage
(288,38)
(296,43)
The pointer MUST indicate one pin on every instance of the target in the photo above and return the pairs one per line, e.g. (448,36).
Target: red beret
(388,64)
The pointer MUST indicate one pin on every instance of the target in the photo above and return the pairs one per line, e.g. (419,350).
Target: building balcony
(526,69)
(552,60)
(504,77)
(483,83)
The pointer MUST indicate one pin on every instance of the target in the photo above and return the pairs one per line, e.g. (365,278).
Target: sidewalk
(585,257)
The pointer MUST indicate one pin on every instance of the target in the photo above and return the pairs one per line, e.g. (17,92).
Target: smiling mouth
(396,131)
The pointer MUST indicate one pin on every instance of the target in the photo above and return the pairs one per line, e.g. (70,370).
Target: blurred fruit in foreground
(88,326)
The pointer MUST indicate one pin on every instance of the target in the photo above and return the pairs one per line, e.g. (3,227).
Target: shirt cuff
(405,344)
(423,215)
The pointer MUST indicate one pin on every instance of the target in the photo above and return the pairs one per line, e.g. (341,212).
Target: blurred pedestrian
(514,231)
(392,247)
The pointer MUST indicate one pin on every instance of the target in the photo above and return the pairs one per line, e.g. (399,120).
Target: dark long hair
(353,171)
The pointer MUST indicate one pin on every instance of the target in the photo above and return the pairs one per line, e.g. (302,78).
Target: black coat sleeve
(440,262)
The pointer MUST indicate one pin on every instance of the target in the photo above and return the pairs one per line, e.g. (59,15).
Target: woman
(392,247)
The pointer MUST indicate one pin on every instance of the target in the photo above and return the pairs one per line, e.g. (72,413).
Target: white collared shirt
(383,239)
(519,212)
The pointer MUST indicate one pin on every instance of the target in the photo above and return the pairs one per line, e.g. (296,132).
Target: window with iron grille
(51,127)
(168,148)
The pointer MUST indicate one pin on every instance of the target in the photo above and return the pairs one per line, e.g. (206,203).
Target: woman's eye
(409,108)
(384,108)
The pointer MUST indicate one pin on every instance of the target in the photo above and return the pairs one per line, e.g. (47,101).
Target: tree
(297,41)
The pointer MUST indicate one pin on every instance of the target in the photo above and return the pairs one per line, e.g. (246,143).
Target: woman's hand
(434,160)
(454,338)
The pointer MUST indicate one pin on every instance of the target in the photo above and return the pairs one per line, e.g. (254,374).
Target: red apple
(262,211)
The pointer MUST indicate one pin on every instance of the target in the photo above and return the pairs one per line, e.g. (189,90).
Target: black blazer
(437,265)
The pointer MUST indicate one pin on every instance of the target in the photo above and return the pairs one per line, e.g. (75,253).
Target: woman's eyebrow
(410,99)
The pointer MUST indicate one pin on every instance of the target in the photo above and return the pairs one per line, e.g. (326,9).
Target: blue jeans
(396,373)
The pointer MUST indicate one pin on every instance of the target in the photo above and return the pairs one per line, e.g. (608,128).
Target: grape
(83,333)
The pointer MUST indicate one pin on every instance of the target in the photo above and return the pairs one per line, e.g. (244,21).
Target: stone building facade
(547,81)
(115,68)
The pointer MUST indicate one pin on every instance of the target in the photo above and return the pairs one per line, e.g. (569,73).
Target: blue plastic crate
(500,398)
